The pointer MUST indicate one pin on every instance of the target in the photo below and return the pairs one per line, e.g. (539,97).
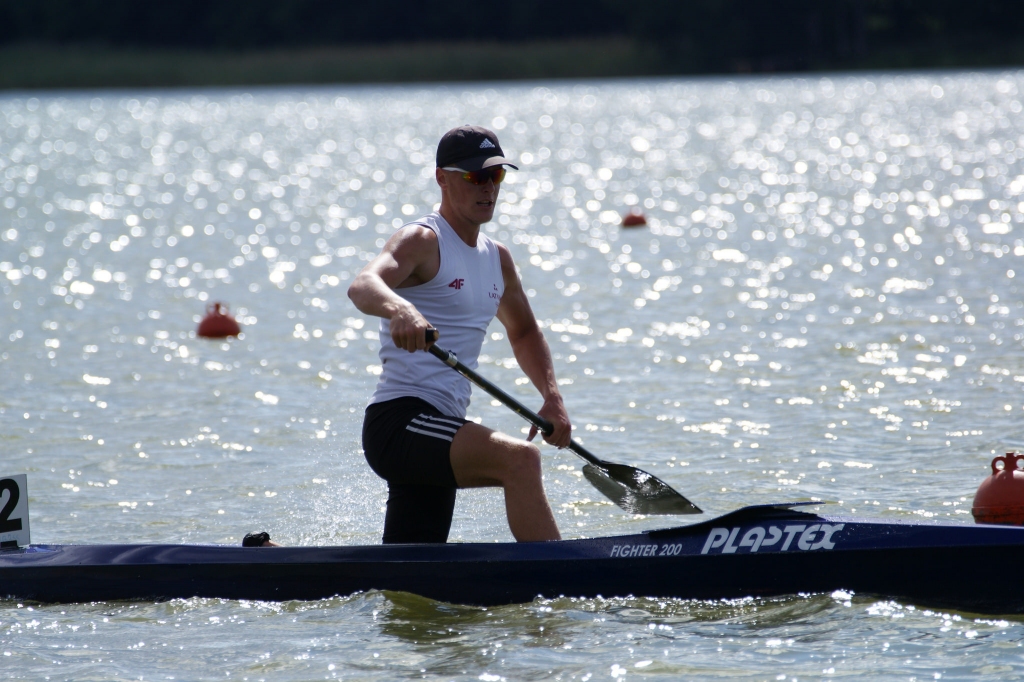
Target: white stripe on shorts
(435,427)
(457,423)
(433,434)
(441,426)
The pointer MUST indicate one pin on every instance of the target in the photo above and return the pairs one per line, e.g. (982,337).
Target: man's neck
(467,231)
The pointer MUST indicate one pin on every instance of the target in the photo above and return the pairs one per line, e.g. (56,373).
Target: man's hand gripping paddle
(632,489)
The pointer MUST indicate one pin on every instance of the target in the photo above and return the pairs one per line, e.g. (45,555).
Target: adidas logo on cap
(486,144)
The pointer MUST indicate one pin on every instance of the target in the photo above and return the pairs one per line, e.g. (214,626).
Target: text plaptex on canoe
(793,537)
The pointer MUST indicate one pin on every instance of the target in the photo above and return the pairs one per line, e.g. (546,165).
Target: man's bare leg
(481,458)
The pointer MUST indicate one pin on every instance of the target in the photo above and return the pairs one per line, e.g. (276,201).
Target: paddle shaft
(449,358)
(632,489)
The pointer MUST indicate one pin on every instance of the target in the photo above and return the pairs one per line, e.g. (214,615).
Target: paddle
(632,489)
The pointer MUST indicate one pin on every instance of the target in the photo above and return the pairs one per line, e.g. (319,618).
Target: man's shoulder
(504,257)
(417,230)
(502,249)
(414,240)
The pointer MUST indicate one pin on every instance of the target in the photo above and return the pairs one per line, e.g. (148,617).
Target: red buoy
(1000,497)
(218,323)
(634,219)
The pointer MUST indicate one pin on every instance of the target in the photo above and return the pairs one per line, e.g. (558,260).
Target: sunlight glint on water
(824,306)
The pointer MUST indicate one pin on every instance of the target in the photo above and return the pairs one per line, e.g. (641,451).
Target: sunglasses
(493,174)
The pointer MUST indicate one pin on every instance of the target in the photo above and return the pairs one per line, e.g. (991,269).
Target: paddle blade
(636,491)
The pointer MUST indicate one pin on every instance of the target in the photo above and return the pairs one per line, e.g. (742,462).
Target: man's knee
(481,457)
(524,461)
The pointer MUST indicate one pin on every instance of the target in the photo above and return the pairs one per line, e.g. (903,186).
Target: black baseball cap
(471,148)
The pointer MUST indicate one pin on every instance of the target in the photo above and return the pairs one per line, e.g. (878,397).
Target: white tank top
(460,301)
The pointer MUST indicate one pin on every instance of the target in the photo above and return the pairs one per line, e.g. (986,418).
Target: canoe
(759,551)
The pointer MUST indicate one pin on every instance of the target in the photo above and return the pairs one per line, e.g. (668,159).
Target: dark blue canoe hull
(755,551)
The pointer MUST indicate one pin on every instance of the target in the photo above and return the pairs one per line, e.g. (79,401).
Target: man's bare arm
(409,258)
(531,351)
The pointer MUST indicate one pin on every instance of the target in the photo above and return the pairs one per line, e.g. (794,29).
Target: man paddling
(441,272)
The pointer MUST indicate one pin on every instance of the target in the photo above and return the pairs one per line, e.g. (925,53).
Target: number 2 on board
(14,530)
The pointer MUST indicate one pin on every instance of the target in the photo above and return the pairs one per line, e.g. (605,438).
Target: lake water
(824,306)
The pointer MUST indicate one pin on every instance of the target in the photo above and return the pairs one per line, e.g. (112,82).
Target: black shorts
(407,442)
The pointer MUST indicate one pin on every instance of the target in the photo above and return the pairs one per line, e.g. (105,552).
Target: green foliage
(488,40)
(74,66)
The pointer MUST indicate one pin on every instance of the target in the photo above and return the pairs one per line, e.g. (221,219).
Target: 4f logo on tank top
(457,283)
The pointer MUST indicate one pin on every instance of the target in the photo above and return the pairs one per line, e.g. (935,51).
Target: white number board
(14,511)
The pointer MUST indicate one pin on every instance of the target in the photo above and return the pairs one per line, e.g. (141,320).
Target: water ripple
(823,306)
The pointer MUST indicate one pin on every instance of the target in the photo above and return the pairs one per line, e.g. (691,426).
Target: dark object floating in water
(634,219)
(260,539)
(1000,497)
(218,323)
(757,551)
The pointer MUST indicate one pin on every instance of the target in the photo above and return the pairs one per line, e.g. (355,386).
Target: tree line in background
(676,36)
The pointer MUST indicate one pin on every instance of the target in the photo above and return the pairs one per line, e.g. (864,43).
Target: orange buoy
(218,323)
(634,219)
(1000,497)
